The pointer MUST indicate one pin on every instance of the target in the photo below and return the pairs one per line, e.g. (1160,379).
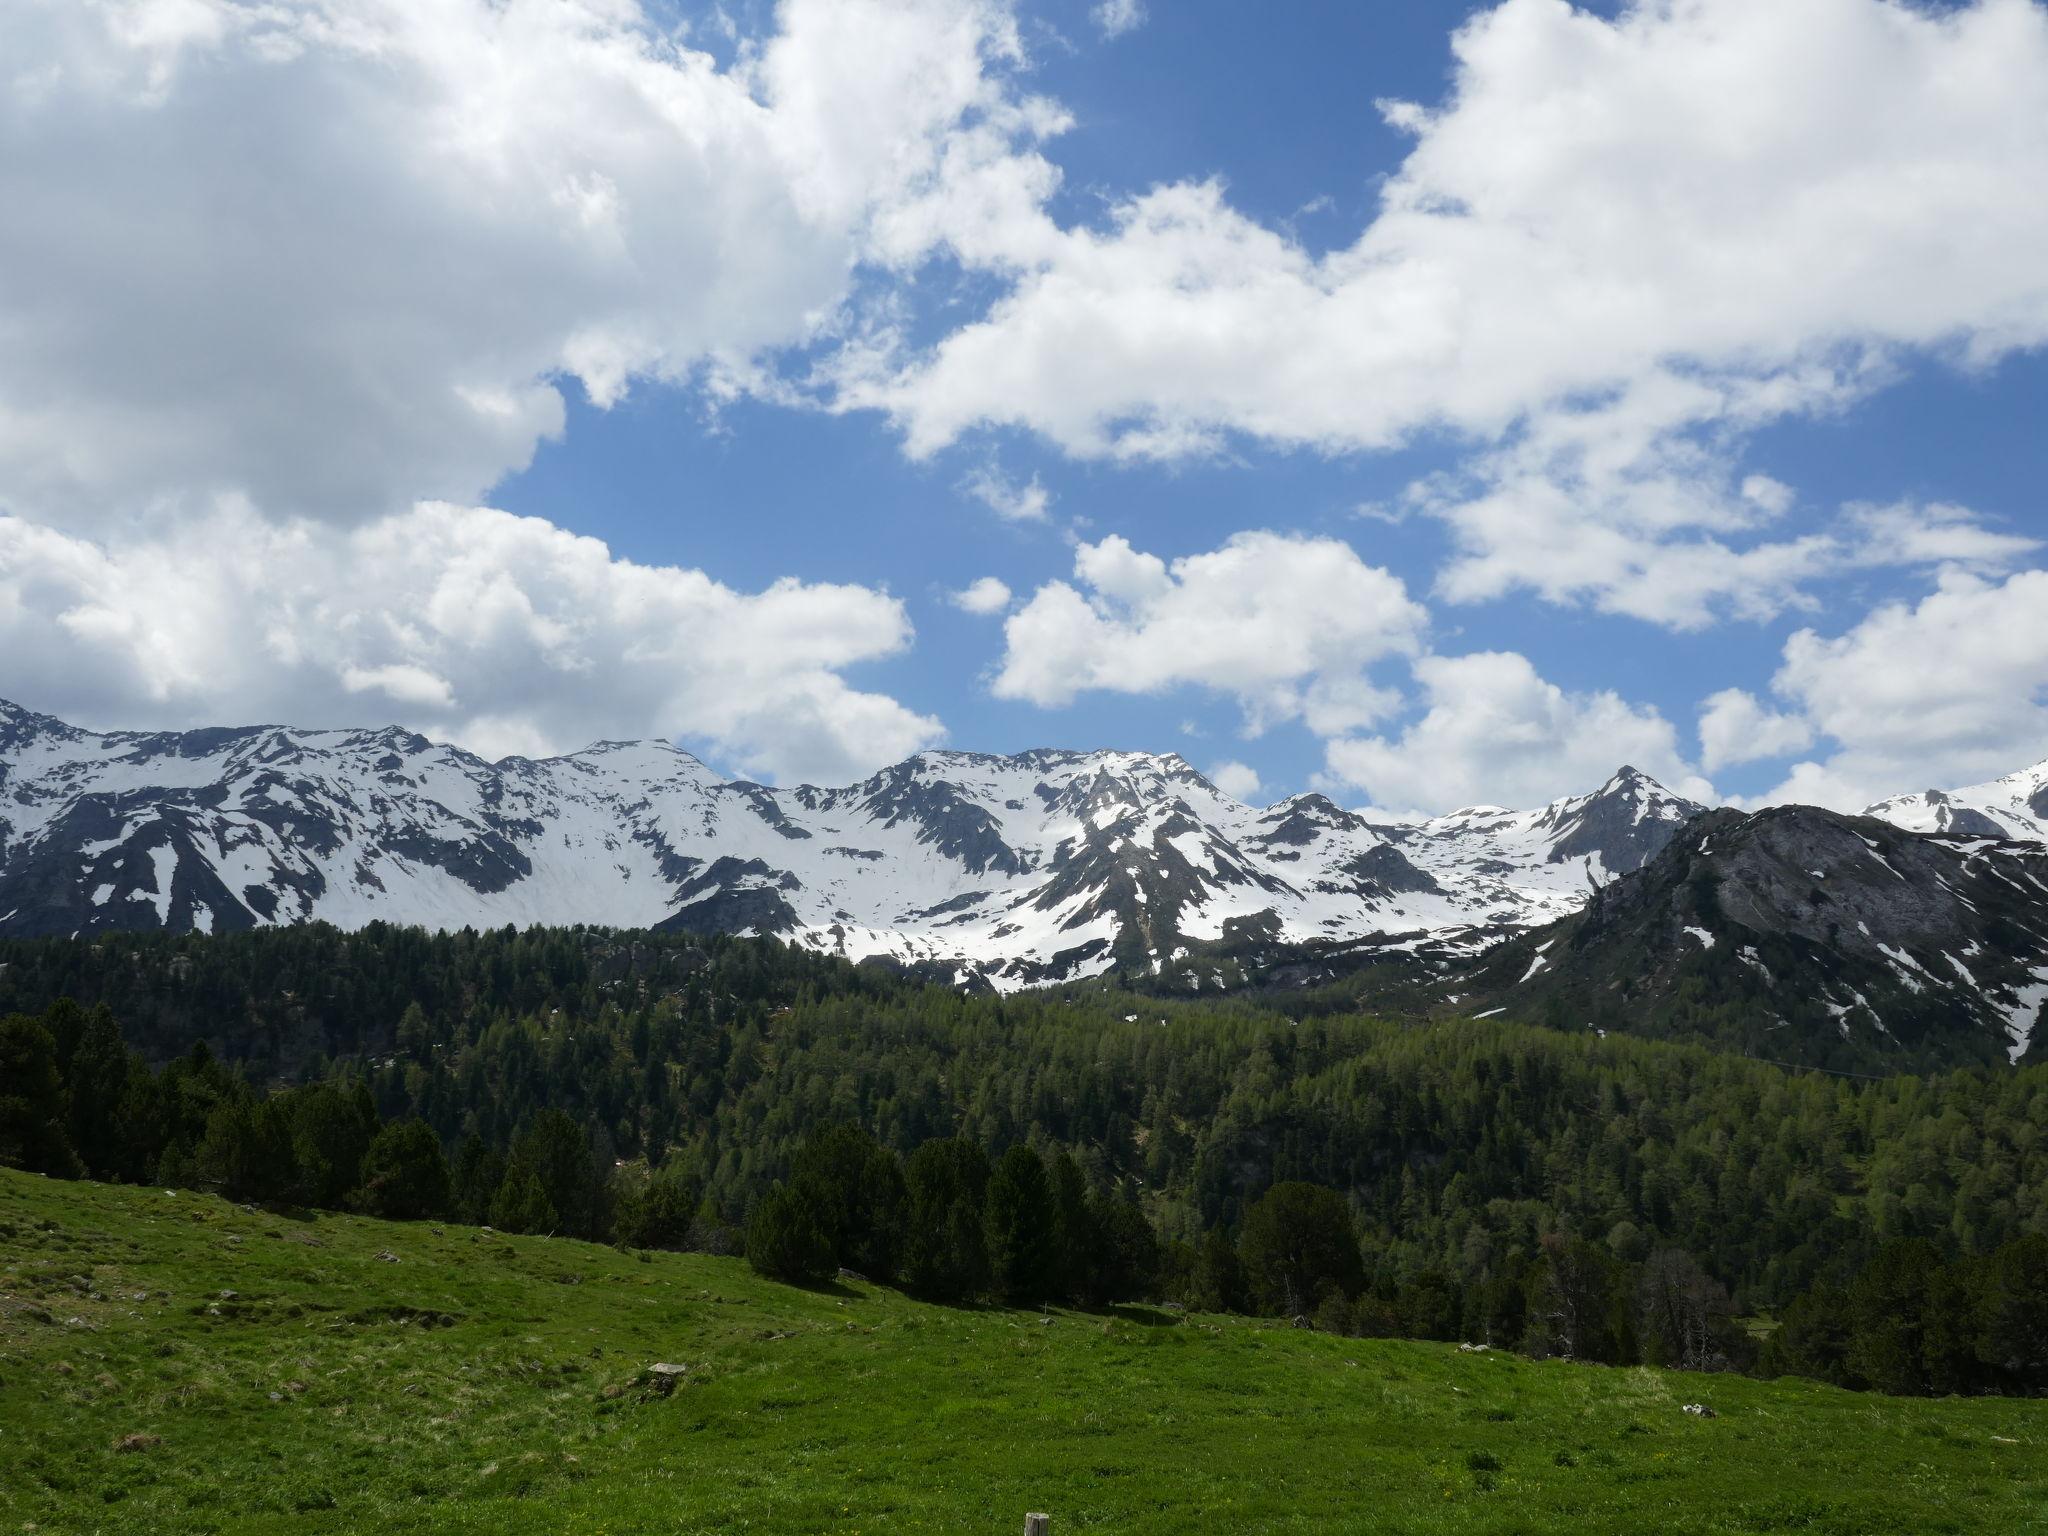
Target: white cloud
(1619,245)
(501,633)
(1735,728)
(1027,503)
(1238,780)
(1948,691)
(1494,732)
(1287,626)
(334,255)
(984,595)
(1116,17)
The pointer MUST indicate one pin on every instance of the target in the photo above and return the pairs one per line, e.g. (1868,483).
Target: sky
(1419,403)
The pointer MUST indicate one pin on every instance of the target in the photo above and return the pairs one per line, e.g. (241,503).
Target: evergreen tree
(785,1239)
(405,1174)
(2012,1315)
(522,1205)
(944,1254)
(1073,1228)
(1574,1298)
(1018,1224)
(1127,1254)
(330,1131)
(1300,1241)
(554,1151)
(479,1171)
(32,1100)
(1218,1281)
(1888,1317)
(95,1084)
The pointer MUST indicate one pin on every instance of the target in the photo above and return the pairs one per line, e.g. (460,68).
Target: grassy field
(172,1363)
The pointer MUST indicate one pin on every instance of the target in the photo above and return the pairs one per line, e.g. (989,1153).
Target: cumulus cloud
(1736,728)
(1494,732)
(1948,691)
(502,633)
(984,595)
(1238,780)
(1287,626)
(1619,245)
(335,255)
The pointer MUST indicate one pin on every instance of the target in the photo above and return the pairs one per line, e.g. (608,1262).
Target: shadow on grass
(1146,1317)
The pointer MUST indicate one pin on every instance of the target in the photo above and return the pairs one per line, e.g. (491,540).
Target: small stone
(277,1397)
(386,1256)
(230,1295)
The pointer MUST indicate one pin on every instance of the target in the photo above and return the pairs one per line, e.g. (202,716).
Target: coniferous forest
(1605,1199)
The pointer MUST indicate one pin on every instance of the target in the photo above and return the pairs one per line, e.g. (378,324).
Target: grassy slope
(314,1401)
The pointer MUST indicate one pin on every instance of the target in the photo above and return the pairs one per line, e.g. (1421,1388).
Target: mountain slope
(2015,807)
(1005,870)
(1801,934)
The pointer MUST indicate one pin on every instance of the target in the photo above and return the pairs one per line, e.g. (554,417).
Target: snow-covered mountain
(1799,934)
(1013,870)
(2014,807)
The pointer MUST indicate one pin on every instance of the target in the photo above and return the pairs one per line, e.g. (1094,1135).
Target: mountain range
(1046,866)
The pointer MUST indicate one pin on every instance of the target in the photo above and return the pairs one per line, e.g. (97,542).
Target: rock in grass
(660,1378)
(1701,1411)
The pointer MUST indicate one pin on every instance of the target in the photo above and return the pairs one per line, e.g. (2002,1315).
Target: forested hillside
(676,1080)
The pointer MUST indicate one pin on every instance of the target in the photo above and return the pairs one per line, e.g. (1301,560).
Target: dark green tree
(1300,1240)
(95,1084)
(331,1129)
(1018,1225)
(1127,1255)
(785,1239)
(1073,1228)
(32,1100)
(522,1205)
(405,1173)
(945,1256)
(554,1151)
(1217,1283)
(1888,1317)
(2012,1315)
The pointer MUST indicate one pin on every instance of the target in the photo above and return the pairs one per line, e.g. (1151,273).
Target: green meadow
(173,1363)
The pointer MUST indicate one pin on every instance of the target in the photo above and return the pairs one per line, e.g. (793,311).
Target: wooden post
(1037,1525)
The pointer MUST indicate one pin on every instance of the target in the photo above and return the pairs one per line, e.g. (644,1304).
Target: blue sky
(1634,395)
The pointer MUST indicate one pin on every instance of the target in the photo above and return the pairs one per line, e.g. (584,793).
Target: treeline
(690,1072)
(951,1224)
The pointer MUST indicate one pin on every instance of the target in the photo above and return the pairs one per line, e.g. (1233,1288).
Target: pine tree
(405,1174)
(785,1239)
(1018,1224)
(32,1100)
(945,1256)
(1300,1240)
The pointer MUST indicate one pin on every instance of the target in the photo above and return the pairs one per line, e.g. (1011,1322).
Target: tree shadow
(1145,1317)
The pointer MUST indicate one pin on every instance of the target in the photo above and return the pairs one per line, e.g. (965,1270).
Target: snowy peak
(1009,870)
(2014,807)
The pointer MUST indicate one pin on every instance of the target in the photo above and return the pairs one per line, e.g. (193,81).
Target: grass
(318,1373)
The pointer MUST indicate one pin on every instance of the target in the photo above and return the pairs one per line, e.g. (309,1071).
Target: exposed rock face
(989,870)
(1802,934)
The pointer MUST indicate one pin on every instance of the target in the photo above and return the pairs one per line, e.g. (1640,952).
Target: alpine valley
(1915,934)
